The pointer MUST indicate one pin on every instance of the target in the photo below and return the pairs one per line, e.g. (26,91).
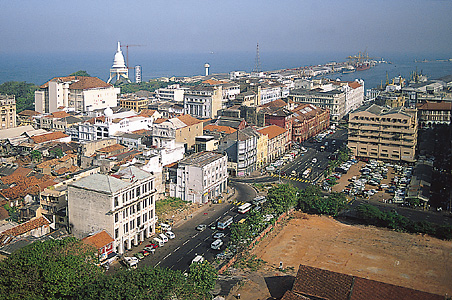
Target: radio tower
(257,63)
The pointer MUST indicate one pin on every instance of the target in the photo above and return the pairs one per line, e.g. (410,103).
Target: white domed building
(119,69)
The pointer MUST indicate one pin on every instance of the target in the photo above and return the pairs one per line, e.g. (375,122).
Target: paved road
(178,253)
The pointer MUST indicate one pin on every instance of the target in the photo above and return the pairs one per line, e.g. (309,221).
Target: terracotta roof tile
(276,103)
(80,82)
(99,240)
(272,131)
(219,128)
(160,120)
(354,84)
(3,213)
(147,112)
(93,120)
(142,131)
(38,139)
(26,227)
(435,106)
(28,113)
(189,120)
(111,148)
(24,185)
(58,114)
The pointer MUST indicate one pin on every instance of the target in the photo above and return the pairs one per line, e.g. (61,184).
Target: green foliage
(53,269)
(12,212)
(313,201)
(23,91)
(282,197)
(203,276)
(58,152)
(36,155)
(143,86)
(249,262)
(240,236)
(168,204)
(373,215)
(80,73)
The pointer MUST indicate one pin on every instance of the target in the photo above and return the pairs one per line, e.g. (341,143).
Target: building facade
(135,103)
(7,111)
(380,133)
(277,141)
(434,113)
(123,205)
(203,101)
(201,177)
(308,120)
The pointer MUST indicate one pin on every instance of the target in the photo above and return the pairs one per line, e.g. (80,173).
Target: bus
(225,222)
(244,208)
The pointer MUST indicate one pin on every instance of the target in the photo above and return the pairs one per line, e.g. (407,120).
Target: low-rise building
(203,101)
(434,113)
(307,121)
(201,177)
(122,204)
(277,141)
(381,133)
(133,102)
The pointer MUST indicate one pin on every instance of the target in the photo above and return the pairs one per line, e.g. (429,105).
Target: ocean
(39,68)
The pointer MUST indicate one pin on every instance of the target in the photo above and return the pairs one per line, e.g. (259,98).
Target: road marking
(180,259)
(176,249)
(206,238)
(169,254)
(190,251)
(185,242)
(158,263)
(218,218)
(198,245)
(225,213)
(195,235)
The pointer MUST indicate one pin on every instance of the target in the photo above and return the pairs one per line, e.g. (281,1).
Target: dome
(118,61)
(108,112)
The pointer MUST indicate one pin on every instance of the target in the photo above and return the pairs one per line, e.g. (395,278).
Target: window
(138,207)
(138,191)
(116,217)
(116,233)
(116,201)
(138,221)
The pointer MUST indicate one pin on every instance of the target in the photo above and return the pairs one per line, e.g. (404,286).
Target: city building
(174,92)
(119,70)
(262,151)
(241,148)
(332,99)
(122,204)
(203,101)
(206,143)
(187,129)
(133,102)
(381,133)
(277,141)
(201,177)
(434,113)
(7,111)
(307,121)
(77,93)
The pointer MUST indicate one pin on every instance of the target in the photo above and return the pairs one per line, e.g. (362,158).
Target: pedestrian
(238,296)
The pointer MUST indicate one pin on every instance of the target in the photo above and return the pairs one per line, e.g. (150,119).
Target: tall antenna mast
(257,62)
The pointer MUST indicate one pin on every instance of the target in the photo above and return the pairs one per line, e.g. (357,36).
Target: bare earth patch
(414,261)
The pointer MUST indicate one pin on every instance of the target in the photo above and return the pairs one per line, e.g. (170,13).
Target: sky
(380,26)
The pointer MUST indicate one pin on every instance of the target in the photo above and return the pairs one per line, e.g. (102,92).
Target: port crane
(127,53)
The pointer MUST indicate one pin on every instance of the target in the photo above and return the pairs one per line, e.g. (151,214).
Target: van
(163,237)
(197,259)
(170,235)
(216,245)
(158,242)
(165,227)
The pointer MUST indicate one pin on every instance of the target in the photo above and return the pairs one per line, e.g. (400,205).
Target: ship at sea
(348,69)
(361,61)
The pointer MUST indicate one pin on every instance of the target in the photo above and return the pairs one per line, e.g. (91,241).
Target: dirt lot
(414,261)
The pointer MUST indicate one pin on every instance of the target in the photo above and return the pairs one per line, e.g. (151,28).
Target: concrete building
(75,93)
(174,92)
(133,102)
(201,177)
(332,99)
(434,113)
(187,129)
(380,133)
(206,143)
(7,111)
(122,204)
(203,101)
(262,151)
(277,141)
(354,94)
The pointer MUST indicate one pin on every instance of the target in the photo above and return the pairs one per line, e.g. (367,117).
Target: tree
(24,92)
(282,197)
(80,73)
(53,269)
(203,276)
(35,155)
(143,86)
(58,152)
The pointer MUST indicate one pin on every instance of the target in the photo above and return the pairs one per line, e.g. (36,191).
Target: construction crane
(127,53)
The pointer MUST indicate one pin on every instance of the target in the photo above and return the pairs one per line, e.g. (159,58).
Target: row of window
(135,223)
(133,193)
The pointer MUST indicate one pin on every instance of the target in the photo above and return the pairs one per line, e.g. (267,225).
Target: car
(170,235)
(139,255)
(144,252)
(149,249)
(152,246)
(213,227)
(197,259)
(218,235)
(314,160)
(201,227)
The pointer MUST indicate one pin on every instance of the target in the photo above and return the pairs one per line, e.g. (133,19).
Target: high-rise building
(7,111)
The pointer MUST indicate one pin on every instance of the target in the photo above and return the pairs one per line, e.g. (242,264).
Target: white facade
(171,93)
(354,95)
(201,177)
(125,207)
(203,102)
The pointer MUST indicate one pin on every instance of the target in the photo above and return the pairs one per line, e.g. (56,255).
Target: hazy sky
(228,25)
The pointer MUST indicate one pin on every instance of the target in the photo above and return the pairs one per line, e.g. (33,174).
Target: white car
(314,160)
(170,235)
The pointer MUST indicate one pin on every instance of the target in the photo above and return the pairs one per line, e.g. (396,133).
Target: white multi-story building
(122,204)
(77,93)
(203,101)
(354,94)
(110,124)
(172,92)
(201,177)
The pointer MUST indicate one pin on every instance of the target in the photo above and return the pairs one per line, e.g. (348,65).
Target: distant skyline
(200,26)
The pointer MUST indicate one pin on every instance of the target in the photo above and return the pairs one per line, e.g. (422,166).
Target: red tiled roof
(213,82)
(111,148)
(99,240)
(26,227)
(435,106)
(354,84)
(93,120)
(160,120)
(28,113)
(276,103)
(289,295)
(141,131)
(272,131)
(3,213)
(58,114)
(24,185)
(189,120)
(147,112)
(38,139)
(219,128)
(81,82)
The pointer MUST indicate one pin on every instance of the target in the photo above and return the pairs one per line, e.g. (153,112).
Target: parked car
(314,160)
(144,252)
(170,235)
(154,246)
(139,255)
(149,249)
(201,227)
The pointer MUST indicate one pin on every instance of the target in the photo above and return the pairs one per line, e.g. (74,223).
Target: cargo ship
(348,69)
(363,66)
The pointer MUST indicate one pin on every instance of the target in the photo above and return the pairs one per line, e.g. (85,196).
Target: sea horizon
(38,68)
